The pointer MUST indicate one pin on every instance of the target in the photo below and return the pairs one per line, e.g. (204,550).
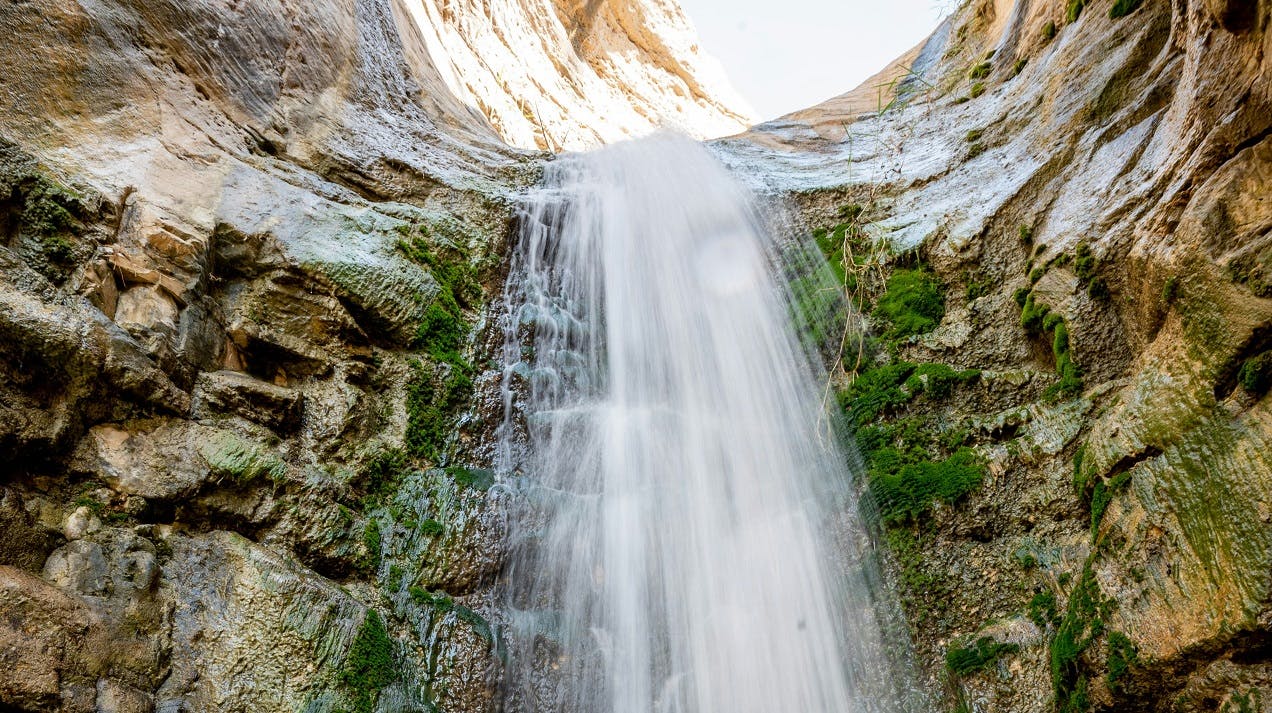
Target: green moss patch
(434,396)
(230,456)
(1255,374)
(1122,656)
(1074,10)
(905,489)
(1081,626)
(443,604)
(913,303)
(976,656)
(369,665)
(1122,8)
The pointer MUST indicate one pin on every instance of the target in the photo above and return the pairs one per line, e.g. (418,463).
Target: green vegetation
(1122,8)
(977,656)
(1025,233)
(1019,67)
(381,475)
(1122,655)
(975,150)
(1070,383)
(977,288)
(1036,274)
(1042,610)
(442,604)
(1255,375)
(977,89)
(371,541)
(974,135)
(1048,31)
(369,666)
(432,527)
(904,479)
(905,488)
(432,398)
(1032,314)
(438,390)
(1037,320)
(1170,290)
(1085,267)
(980,71)
(1249,702)
(921,591)
(1074,10)
(1102,495)
(1082,624)
(912,303)
(476,478)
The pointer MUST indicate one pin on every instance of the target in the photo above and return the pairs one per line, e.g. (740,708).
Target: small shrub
(962,100)
(1036,274)
(975,150)
(978,656)
(937,380)
(1025,233)
(1032,315)
(1021,296)
(1019,67)
(977,89)
(476,478)
(1048,31)
(1255,375)
(974,135)
(977,289)
(1170,290)
(1122,8)
(979,71)
(431,527)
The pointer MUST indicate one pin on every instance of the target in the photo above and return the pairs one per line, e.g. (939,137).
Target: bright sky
(784,55)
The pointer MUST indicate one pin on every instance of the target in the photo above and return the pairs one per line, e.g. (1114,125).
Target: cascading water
(688,542)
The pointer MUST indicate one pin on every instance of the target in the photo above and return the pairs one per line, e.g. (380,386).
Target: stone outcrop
(1089,181)
(569,74)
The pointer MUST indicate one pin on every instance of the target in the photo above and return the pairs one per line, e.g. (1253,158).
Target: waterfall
(688,539)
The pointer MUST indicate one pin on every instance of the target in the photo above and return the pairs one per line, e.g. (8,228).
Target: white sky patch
(788,55)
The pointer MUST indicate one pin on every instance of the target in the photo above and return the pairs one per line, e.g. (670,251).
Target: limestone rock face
(1109,162)
(569,74)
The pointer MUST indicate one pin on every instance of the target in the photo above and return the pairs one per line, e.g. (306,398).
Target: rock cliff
(245,258)
(1055,218)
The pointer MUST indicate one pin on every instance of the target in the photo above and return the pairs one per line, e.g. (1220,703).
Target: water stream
(689,540)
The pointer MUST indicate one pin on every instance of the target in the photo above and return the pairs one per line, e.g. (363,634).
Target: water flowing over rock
(680,478)
(252,359)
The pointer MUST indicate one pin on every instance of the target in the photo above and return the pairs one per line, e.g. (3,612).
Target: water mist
(688,540)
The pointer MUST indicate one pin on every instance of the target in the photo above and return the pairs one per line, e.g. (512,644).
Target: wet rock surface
(1088,182)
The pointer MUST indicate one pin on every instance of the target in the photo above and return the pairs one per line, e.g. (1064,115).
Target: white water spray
(689,541)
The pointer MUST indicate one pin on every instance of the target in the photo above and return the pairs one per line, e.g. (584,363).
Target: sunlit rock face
(1110,162)
(570,74)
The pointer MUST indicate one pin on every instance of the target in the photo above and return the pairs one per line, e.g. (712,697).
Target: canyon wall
(1086,184)
(246,393)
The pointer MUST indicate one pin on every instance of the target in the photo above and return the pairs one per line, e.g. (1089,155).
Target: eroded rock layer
(1063,405)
